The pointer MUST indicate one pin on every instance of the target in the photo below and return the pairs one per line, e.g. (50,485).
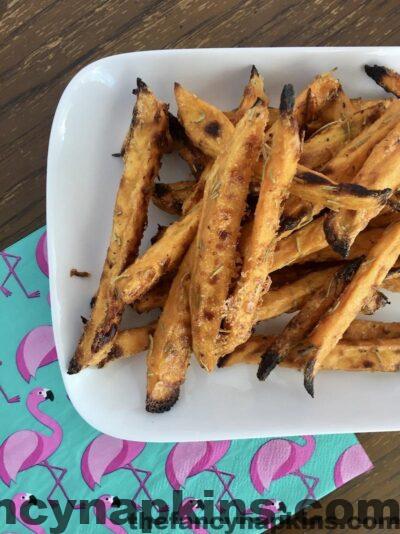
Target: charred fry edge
(257,259)
(369,352)
(127,228)
(382,75)
(305,320)
(330,329)
(170,196)
(171,343)
(354,189)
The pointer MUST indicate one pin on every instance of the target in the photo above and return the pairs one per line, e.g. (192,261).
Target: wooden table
(45,42)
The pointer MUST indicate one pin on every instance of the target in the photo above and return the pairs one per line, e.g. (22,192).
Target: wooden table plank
(45,42)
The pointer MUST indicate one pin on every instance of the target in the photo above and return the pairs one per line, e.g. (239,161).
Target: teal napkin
(47,452)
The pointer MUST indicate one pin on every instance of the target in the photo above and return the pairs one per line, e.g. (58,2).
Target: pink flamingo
(186,509)
(27,448)
(13,273)
(109,502)
(20,500)
(186,460)
(36,349)
(106,454)
(41,254)
(8,399)
(280,457)
(350,464)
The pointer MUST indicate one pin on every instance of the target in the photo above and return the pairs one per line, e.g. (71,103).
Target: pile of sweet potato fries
(289,210)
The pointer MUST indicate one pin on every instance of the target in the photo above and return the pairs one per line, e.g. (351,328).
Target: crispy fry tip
(268,363)
(309,377)
(222,361)
(254,72)
(117,154)
(341,246)
(74,366)
(376,72)
(287,99)
(362,192)
(157,406)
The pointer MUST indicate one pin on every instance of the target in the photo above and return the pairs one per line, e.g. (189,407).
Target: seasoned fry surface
(301,325)
(162,257)
(207,127)
(379,171)
(142,158)
(385,77)
(223,207)
(168,357)
(372,354)
(278,174)
(332,326)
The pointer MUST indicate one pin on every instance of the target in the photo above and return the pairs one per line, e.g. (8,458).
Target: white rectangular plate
(91,120)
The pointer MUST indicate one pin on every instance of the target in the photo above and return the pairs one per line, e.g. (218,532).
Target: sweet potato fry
(147,142)
(379,171)
(129,343)
(385,77)
(300,244)
(206,126)
(311,100)
(287,298)
(165,254)
(332,326)
(156,296)
(373,354)
(292,296)
(349,160)
(323,90)
(162,257)
(253,91)
(375,302)
(302,324)
(295,214)
(314,98)
(194,157)
(197,193)
(279,172)
(385,217)
(325,87)
(364,241)
(362,330)
(222,210)
(337,108)
(363,103)
(171,197)
(314,187)
(325,143)
(362,342)
(168,358)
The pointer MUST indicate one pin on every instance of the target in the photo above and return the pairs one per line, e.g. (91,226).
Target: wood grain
(43,43)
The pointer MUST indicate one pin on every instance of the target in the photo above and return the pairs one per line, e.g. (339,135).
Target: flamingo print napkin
(48,453)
